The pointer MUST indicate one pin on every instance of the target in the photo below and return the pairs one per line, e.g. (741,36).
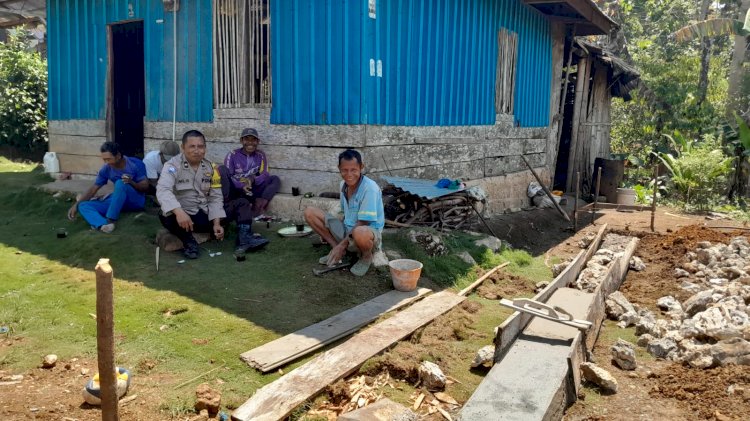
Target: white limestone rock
(599,376)
(484,357)
(623,355)
(431,375)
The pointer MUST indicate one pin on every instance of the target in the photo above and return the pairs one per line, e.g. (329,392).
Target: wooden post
(105,340)
(596,193)
(575,201)
(653,200)
(579,114)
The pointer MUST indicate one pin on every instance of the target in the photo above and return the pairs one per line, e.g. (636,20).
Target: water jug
(51,164)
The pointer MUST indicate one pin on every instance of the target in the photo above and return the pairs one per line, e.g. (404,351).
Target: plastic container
(51,163)
(625,196)
(405,274)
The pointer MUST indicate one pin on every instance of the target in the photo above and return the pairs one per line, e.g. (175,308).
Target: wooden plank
(515,323)
(277,399)
(275,353)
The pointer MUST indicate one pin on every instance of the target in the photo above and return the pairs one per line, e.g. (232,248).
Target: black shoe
(191,250)
(254,243)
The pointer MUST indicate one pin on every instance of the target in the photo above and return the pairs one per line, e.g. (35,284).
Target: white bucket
(51,163)
(625,196)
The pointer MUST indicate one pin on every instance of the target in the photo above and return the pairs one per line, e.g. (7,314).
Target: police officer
(189,190)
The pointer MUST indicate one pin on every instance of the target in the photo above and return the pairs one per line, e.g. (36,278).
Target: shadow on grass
(273,288)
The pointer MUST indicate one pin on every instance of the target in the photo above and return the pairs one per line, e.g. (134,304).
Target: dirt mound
(725,390)
(662,254)
(505,285)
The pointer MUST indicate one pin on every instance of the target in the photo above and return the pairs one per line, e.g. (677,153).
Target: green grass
(47,293)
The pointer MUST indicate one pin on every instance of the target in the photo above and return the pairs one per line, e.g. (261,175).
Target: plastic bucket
(625,196)
(51,164)
(405,274)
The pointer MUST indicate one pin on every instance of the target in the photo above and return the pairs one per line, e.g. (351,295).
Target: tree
(23,94)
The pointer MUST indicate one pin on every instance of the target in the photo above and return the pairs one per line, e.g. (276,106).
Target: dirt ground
(657,391)
(661,389)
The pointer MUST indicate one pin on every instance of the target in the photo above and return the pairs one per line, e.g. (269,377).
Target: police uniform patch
(172,169)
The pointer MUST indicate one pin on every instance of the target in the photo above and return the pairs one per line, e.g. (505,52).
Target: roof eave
(584,14)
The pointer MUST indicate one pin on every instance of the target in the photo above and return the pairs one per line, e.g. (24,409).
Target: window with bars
(242,53)
(505,80)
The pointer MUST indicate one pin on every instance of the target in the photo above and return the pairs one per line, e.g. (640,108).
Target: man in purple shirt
(129,177)
(245,174)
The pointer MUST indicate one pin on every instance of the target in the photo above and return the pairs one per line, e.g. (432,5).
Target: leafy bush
(23,94)
(698,170)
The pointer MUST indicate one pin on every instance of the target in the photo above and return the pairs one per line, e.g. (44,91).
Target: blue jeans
(124,198)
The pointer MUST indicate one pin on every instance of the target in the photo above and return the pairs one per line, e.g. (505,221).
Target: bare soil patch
(662,389)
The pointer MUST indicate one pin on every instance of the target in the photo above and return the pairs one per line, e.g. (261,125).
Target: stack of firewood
(446,212)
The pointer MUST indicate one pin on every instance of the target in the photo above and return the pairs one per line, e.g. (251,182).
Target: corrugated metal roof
(423,188)
(17,12)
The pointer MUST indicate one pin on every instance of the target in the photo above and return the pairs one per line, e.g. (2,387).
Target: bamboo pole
(105,340)
(476,283)
(653,200)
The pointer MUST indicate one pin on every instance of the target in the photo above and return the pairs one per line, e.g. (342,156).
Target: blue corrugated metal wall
(77,57)
(438,58)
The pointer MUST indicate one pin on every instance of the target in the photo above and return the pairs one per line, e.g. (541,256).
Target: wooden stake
(575,201)
(653,201)
(476,283)
(596,193)
(105,340)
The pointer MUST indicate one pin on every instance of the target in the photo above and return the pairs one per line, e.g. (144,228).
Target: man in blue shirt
(129,177)
(361,229)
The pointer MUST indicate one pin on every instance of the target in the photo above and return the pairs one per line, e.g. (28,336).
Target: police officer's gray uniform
(180,186)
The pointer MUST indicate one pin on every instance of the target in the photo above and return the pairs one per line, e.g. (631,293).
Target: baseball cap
(169,149)
(250,132)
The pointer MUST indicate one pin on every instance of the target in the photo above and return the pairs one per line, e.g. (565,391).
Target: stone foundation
(305,156)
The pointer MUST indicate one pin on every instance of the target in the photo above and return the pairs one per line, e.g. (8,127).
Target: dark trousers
(200,224)
(240,210)
(268,189)
(237,204)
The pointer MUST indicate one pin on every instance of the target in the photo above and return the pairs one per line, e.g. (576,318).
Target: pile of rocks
(710,328)
(596,268)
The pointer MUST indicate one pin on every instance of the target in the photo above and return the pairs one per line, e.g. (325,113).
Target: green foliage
(698,170)
(23,94)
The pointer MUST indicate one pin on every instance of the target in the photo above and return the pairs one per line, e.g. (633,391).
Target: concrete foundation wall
(305,156)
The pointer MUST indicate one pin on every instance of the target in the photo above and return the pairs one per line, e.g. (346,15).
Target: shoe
(107,228)
(263,218)
(323,260)
(361,267)
(247,241)
(191,250)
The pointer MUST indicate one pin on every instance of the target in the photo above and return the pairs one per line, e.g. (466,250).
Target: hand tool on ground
(552,313)
(318,272)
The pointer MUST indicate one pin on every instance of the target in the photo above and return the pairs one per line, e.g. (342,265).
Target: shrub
(698,170)
(23,94)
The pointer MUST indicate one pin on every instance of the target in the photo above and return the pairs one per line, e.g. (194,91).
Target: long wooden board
(295,345)
(277,399)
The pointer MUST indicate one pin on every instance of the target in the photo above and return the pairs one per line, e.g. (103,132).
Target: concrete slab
(526,382)
(382,410)
(74,187)
(284,206)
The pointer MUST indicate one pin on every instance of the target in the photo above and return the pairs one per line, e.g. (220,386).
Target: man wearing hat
(154,162)
(245,174)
